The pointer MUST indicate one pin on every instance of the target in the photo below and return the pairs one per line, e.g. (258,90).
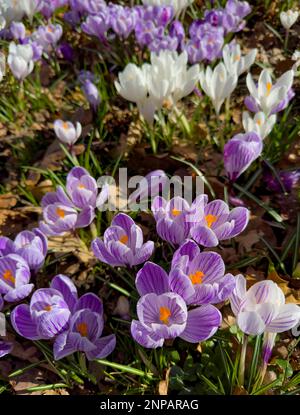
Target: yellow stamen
(65,125)
(48,308)
(81,186)
(258,122)
(8,276)
(49,29)
(176,212)
(123,239)
(60,212)
(197,277)
(269,87)
(237,58)
(82,328)
(164,314)
(210,219)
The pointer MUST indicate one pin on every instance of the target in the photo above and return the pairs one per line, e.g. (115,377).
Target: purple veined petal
(104,347)
(43,239)
(67,288)
(198,207)
(152,279)
(250,322)
(63,346)
(287,318)
(204,236)
(238,294)
(211,266)
(63,198)
(48,229)
(123,221)
(85,217)
(216,213)
(19,293)
(240,216)
(6,246)
(181,284)
(114,233)
(49,199)
(225,288)
(143,254)
(52,323)
(251,104)
(135,238)
(224,231)
(100,251)
(87,327)
(23,323)
(267,347)
(144,336)
(1,303)
(205,294)
(171,231)
(121,253)
(91,302)
(202,323)
(267,312)
(44,297)
(5,348)
(158,207)
(188,249)
(103,196)
(33,256)
(266,292)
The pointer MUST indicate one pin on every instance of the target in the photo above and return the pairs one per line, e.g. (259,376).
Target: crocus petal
(204,236)
(85,217)
(250,322)
(90,301)
(104,347)
(287,318)
(65,285)
(23,324)
(144,336)
(63,346)
(19,293)
(202,323)
(152,279)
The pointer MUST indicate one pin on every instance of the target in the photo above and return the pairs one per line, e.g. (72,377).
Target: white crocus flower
(2,66)
(30,7)
(12,10)
(20,60)
(178,5)
(67,132)
(296,57)
(266,95)
(288,18)
(260,124)
(235,62)
(162,83)
(218,84)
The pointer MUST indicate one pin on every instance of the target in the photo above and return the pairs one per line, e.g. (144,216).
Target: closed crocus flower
(235,62)
(199,276)
(240,152)
(216,222)
(288,18)
(60,215)
(122,243)
(91,93)
(262,308)
(218,84)
(81,187)
(31,7)
(163,314)
(67,132)
(18,30)
(20,60)
(32,246)
(259,124)
(5,347)
(14,278)
(266,95)
(171,223)
(132,83)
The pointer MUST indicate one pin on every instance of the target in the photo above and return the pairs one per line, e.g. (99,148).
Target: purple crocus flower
(146,32)
(163,15)
(240,152)
(198,277)
(97,25)
(65,51)
(48,36)
(163,314)
(122,243)
(122,20)
(177,30)
(91,93)
(81,188)
(5,347)
(18,31)
(14,278)
(171,219)
(163,43)
(48,8)
(84,335)
(32,246)
(252,105)
(289,180)
(215,221)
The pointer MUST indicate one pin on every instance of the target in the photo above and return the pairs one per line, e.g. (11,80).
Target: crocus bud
(18,30)
(67,132)
(20,60)
(288,18)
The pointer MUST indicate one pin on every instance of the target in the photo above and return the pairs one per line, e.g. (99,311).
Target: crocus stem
(227,108)
(242,361)
(93,229)
(286,40)
(152,139)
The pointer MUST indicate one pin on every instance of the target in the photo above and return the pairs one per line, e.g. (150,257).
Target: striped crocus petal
(152,279)
(287,317)
(250,322)
(145,336)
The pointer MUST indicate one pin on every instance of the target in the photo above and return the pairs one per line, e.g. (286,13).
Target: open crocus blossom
(218,84)
(267,96)
(67,132)
(122,243)
(163,314)
(259,124)
(177,5)
(14,278)
(216,222)
(262,308)
(149,187)
(288,18)
(20,60)
(235,62)
(32,246)
(171,219)
(240,152)
(5,347)
(198,277)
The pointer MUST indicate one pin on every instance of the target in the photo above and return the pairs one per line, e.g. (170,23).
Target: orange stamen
(60,212)
(8,276)
(82,328)
(197,277)
(210,219)
(164,314)
(123,239)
